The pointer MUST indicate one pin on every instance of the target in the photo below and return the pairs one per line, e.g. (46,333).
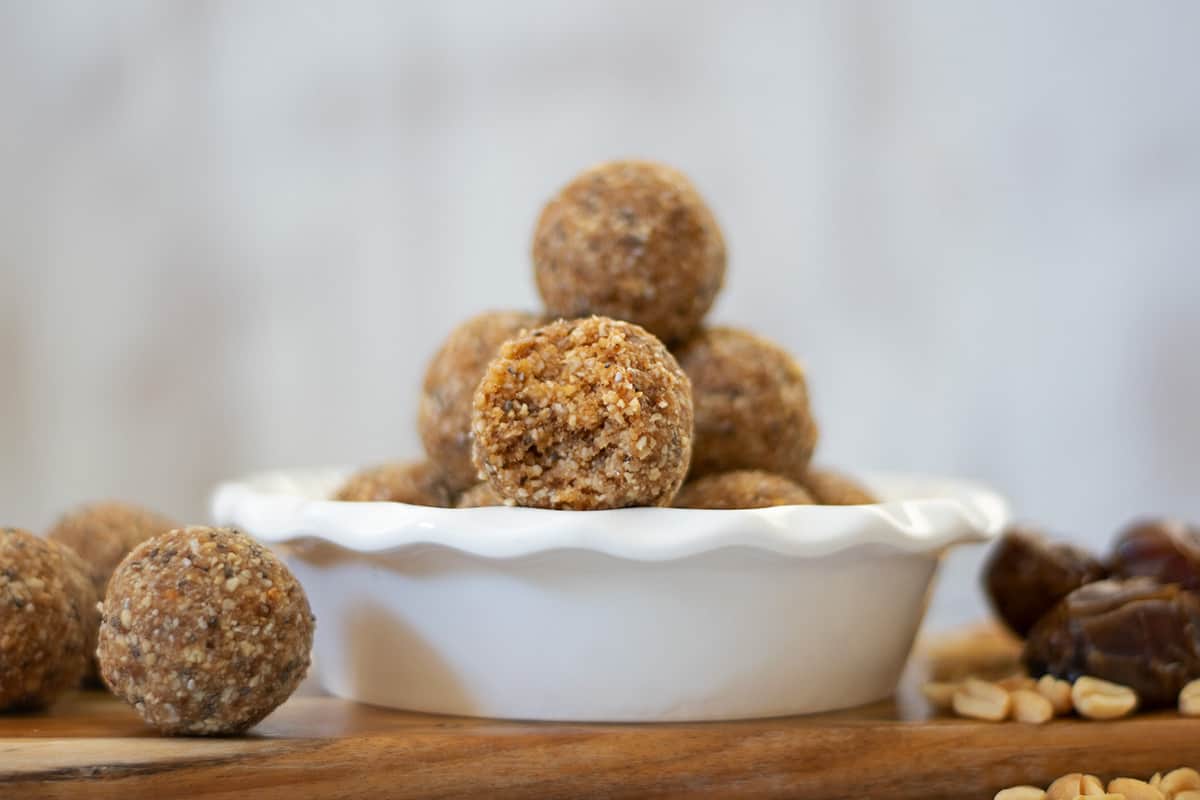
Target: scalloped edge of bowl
(920,514)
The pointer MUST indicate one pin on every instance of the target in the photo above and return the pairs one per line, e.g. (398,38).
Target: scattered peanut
(1178,781)
(1134,789)
(1016,681)
(981,700)
(1097,699)
(1074,785)
(1179,784)
(1029,706)
(1058,692)
(1020,793)
(1189,699)
(940,694)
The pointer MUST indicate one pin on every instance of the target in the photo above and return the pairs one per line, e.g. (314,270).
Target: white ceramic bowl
(637,614)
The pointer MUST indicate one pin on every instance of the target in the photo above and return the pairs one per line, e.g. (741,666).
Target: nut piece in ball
(45,603)
(742,489)
(831,488)
(444,417)
(418,483)
(204,631)
(584,414)
(479,496)
(631,240)
(752,409)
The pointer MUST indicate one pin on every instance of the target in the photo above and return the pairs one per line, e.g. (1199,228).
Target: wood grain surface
(92,746)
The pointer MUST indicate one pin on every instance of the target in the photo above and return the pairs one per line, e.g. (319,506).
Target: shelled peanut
(1021,698)
(1178,784)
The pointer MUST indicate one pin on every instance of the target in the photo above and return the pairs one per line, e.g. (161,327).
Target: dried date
(1026,576)
(1166,550)
(1135,632)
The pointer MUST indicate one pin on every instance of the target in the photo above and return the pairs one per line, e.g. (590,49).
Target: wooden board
(91,746)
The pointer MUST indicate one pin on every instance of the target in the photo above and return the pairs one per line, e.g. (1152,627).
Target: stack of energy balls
(201,630)
(616,394)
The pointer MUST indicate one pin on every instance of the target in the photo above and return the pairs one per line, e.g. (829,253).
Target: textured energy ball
(104,533)
(204,631)
(444,417)
(419,483)
(584,414)
(45,600)
(631,240)
(478,496)
(831,488)
(746,488)
(751,401)
(83,588)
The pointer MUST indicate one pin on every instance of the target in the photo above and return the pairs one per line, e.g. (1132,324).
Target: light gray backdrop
(232,232)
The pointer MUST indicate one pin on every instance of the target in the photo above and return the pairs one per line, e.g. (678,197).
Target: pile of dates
(1133,619)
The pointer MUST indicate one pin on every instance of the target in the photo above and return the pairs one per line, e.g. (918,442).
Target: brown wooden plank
(320,747)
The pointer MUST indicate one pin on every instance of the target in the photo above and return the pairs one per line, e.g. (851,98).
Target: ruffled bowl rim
(920,514)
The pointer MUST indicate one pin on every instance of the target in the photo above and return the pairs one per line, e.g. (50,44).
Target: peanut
(1134,789)
(1097,699)
(1058,692)
(1020,793)
(981,700)
(1029,706)
(1187,794)
(1018,680)
(1178,781)
(940,694)
(1068,787)
(1189,699)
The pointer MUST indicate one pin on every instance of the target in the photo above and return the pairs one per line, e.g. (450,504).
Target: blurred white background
(231,233)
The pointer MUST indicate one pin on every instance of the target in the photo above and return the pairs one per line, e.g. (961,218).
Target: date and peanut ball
(84,588)
(479,496)
(46,602)
(102,534)
(584,414)
(631,240)
(751,401)
(204,631)
(746,488)
(830,488)
(444,415)
(419,483)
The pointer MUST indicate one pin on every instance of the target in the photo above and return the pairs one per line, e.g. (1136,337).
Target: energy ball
(747,488)
(631,240)
(104,533)
(204,631)
(478,496)
(831,488)
(444,417)
(584,414)
(83,587)
(45,600)
(751,402)
(418,483)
